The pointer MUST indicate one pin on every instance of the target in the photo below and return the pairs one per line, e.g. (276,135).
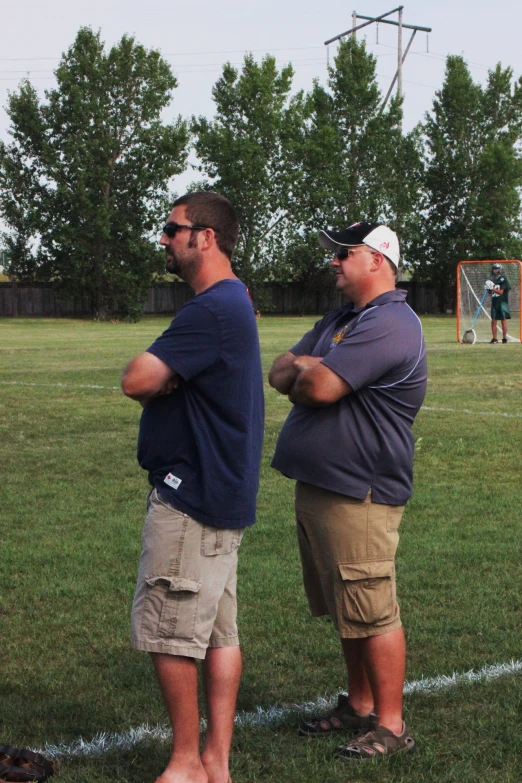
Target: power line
(183,54)
(215,67)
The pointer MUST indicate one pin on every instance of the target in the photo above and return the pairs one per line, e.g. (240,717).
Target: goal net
(474,309)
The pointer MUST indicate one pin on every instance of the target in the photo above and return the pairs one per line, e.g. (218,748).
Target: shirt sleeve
(192,342)
(307,343)
(377,351)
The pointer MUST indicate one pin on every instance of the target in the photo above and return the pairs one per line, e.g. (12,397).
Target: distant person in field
(357,381)
(201,387)
(498,286)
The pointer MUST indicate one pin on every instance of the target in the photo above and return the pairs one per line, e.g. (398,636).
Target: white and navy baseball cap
(375,235)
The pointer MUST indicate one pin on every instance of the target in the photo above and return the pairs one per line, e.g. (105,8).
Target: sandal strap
(377,742)
(14,774)
(35,761)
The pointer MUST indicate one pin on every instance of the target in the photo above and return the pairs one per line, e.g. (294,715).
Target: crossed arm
(146,377)
(306,381)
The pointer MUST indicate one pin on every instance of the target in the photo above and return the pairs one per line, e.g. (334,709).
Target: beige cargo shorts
(347,549)
(185,598)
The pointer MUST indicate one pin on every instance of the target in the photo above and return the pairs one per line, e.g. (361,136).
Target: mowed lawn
(71,508)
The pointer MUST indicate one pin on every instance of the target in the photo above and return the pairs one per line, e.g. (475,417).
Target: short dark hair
(205,208)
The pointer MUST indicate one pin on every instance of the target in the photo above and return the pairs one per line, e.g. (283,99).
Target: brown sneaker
(377,743)
(340,718)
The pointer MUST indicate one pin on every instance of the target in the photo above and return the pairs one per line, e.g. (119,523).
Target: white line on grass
(473,413)
(261,718)
(281,397)
(59,385)
(432,409)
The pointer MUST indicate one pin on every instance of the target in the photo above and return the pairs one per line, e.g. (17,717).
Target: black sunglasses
(171,229)
(343,253)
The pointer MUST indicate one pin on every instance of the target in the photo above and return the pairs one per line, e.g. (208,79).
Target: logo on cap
(384,245)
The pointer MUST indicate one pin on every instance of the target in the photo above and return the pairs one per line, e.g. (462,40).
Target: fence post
(14,289)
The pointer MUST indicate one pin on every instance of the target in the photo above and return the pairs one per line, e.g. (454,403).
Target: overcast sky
(198,37)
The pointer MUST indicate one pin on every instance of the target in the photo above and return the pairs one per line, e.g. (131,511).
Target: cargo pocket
(368,596)
(219,541)
(393,518)
(171,607)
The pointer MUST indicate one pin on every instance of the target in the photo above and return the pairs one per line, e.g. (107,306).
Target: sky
(198,38)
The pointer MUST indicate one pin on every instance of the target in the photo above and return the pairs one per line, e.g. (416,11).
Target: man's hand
(302,363)
(306,381)
(283,373)
(172,383)
(317,386)
(286,368)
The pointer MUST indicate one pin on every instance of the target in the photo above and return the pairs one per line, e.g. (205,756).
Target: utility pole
(400,56)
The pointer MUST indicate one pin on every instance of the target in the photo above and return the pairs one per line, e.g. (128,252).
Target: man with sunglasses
(200,440)
(357,380)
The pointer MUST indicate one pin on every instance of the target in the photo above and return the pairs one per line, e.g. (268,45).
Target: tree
(498,229)
(246,154)
(84,182)
(473,173)
(356,163)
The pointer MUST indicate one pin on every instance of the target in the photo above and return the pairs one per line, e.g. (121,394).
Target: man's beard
(171,265)
(182,267)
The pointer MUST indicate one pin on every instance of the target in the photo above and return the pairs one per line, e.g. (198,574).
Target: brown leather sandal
(340,718)
(18,765)
(377,743)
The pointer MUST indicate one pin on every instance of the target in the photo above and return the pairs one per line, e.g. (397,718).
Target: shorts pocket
(393,518)
(219,541)
(369,591)
(171,607)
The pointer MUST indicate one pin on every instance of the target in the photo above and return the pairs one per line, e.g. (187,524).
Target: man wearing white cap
(357,380)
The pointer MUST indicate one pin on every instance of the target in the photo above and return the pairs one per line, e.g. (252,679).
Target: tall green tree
(471,202)
(246,152)
(497,225)
(84,181)
(356,163)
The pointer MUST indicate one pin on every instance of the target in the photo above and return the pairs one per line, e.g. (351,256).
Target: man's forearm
(283,373)
(146,377)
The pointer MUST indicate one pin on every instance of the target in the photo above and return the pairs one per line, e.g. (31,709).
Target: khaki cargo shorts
(185,598)
(347,549)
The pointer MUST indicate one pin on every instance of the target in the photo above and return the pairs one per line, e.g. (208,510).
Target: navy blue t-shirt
(202,443)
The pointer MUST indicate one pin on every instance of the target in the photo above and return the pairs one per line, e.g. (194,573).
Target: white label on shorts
(172,481)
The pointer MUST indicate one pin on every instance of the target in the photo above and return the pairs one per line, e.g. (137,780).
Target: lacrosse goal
(474,309)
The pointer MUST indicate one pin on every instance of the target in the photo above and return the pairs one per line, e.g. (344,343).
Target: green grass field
(71,508)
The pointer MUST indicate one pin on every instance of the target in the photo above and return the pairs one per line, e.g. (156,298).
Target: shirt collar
(396,295)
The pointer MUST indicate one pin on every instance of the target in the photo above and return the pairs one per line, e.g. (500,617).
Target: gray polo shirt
(363,441)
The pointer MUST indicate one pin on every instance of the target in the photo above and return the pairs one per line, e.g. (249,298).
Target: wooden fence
(38,299)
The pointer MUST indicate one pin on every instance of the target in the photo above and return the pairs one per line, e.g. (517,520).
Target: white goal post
(474,311)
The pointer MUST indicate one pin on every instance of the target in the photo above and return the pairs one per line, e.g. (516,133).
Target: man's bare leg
(504,328)
(360,694)
(494,329)
(221,675)
(178,678)
(376,669)
(385,662)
